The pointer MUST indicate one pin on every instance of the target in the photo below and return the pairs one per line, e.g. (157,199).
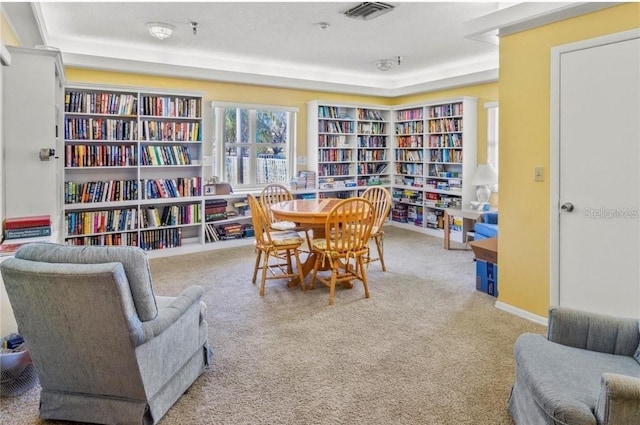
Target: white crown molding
(179,71)
(5,56)
(524,16)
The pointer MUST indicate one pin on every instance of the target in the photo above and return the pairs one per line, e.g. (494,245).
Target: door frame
(554,151)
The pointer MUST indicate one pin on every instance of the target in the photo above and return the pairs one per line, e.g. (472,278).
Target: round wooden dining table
(310,213)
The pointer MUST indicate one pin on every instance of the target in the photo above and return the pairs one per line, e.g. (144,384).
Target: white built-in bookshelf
(349,147)
(435,154)
(133,172)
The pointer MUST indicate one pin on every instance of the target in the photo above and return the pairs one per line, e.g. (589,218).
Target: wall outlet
(538,174)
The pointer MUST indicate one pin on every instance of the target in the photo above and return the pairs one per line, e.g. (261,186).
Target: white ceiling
(273,43)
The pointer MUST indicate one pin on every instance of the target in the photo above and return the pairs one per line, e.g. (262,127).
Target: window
(253,144)
(492,137)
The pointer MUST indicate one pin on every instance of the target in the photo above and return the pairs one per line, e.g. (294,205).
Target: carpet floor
(426,348)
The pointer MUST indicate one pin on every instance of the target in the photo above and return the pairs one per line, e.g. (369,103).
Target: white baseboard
(521,313)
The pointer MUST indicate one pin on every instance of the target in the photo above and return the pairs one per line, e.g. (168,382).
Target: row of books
(122,220)
(372,155)
(410,114)
(105,221)
(452,109)
(372,168)
(446,156)
(445,125)
(100,155)
(149,240)
(100,191)
(171,188)
(100,129)
(166,155)
(109,239)
(170,215)
(369,114)
(334,169)
(339,127)
(100,103)
(451,140)
(161,238)
(167,106)
(372,128)
(332,154)
(170,131)
(409,127)
(415,141)
(409,155)
(372,141)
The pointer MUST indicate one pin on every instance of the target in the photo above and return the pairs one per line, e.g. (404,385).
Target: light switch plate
(538,174)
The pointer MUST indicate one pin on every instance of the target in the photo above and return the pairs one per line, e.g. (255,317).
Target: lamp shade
(485,175)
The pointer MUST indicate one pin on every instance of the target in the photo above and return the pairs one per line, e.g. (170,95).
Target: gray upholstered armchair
(585,372)
(107,350)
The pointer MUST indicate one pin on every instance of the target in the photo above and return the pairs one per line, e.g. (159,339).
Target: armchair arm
(168,314)
(619,401)
(594,332)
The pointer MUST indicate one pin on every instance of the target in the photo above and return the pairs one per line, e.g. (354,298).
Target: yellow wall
(525,63)
(245,93)
(7,36)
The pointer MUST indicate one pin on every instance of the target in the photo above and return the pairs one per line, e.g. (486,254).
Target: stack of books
(21,230)
(27,227)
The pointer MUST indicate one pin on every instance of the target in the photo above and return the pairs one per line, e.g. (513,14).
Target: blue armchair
(487,227)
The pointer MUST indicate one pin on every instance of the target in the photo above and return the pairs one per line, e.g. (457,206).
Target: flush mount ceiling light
(160,30)
(386,64)
(323,25)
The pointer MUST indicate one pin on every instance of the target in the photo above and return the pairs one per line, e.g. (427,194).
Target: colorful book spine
(27,232)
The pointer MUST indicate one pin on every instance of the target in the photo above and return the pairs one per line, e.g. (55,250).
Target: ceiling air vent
(368,10)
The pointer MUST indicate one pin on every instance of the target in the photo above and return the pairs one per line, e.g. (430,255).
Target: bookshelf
(133,172)
(434,159)
(349,147)
(227,218)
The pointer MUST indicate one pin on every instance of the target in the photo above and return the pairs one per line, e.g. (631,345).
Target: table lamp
(484,176)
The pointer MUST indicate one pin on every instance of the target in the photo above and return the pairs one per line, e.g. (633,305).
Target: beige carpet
(426,348)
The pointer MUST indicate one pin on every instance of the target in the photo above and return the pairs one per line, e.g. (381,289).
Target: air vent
(368,10)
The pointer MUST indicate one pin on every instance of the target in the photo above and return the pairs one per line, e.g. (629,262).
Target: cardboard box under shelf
(486,250)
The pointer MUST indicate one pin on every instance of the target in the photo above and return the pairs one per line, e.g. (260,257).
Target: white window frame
(218,145)
(493,137)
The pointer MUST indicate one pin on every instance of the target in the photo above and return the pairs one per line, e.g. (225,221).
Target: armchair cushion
(565,381)
(583,373)
(488,227)
(133,260)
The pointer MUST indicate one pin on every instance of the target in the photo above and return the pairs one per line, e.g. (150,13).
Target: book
(27,232)
(25,222)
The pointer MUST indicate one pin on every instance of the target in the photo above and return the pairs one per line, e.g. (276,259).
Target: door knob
(567,207)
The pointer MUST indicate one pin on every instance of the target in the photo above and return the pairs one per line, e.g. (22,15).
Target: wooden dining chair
(274,249)
(380,197)
(272,194)
(347,232)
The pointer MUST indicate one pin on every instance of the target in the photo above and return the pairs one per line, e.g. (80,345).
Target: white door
(597,203)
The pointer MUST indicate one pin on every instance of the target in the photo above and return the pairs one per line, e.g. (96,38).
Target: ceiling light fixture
(323,25)
(160,30)
(386,64)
